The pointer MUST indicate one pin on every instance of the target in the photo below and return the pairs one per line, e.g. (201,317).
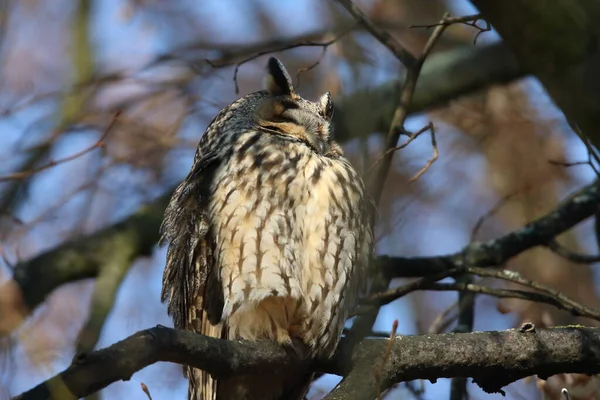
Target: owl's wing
(191,284)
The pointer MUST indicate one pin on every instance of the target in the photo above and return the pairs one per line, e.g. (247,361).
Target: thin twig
(562,251)
(469,20)
(411,137)
(444,319)
(499,204)
(542,292)
(592,153)
(302,70)
(401,112)
(384,37)
(568,164)
(146,390)
(386,297)
(364,323)
(558,299)
(388,350)
(432,159)
(578,310)
(324,45)
(53,163)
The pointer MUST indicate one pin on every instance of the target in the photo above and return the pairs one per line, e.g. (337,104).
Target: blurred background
(67,67)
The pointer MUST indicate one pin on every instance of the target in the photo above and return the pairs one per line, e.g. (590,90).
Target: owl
(269,235)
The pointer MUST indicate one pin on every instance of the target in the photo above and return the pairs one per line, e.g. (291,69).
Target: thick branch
(83,257)
(496,252)
(492,359)
(558,41)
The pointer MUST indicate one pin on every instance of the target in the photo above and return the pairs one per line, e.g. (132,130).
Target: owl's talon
(283,337)
(299,349)
(295,349)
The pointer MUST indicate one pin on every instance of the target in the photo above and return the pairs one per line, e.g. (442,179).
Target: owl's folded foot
(298,348)
(283,337)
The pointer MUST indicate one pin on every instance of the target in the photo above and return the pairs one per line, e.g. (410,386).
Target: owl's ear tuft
(278,81)
(326,105)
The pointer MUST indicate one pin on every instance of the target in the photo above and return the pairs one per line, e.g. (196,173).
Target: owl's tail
(298,390)
(269,386)
(201,386)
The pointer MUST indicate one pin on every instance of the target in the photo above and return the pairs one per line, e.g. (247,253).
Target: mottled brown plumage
(268,235)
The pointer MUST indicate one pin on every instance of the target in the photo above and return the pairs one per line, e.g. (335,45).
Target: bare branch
(573,210)
(568,305)
(365,322)
(469,20)
(492,359)
(323,45)
(53,163)
(499,204)
(433,158)
(384,37)
(570,255)
(84,257)
(552,296)
(396,127)
(388,351)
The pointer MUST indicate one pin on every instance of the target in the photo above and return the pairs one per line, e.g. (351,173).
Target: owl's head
(284,112)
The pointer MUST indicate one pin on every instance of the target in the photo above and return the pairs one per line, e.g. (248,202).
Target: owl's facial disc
(286,117)
(285,113)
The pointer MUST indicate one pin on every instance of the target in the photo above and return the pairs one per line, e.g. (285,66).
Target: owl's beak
(317,143)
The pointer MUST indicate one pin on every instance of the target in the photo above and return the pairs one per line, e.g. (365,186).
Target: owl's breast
(286,223)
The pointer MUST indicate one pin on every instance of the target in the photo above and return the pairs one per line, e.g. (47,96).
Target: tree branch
(383,36)
(492,359)
(567,254)
(445,76)
(557,40)
(573,210)
(364,323)
(84,257)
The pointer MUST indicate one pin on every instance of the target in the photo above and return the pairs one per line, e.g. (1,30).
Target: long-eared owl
(269,235)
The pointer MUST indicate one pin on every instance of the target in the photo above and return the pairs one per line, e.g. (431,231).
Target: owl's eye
(326,105)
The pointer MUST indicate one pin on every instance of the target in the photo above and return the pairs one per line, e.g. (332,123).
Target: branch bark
(492,359)
(574,209)
(83,258)
(558,41)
